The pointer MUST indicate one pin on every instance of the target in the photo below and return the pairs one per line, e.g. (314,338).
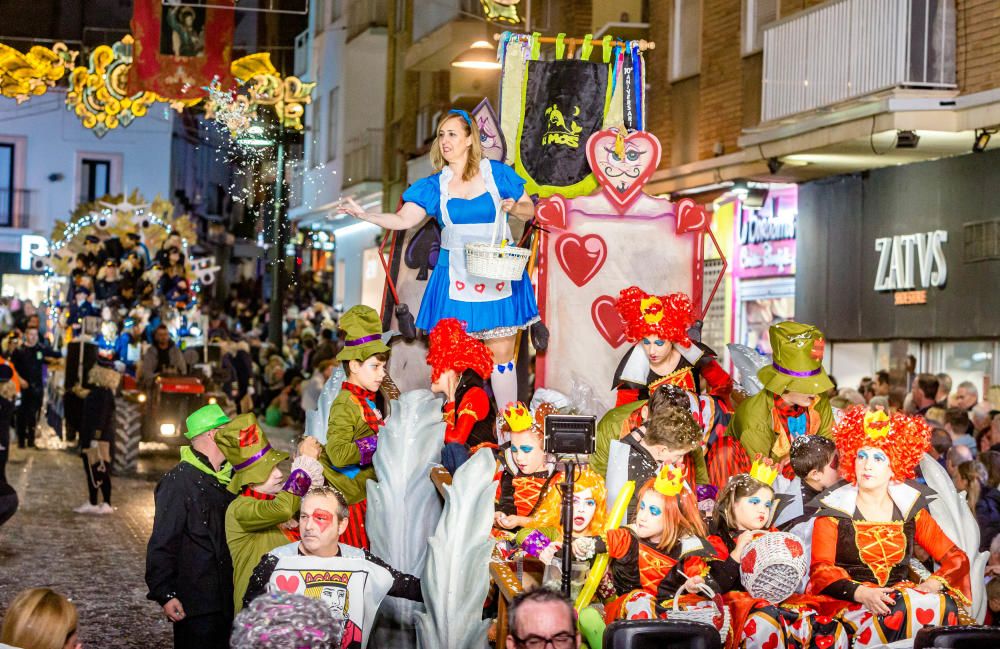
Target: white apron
(462,286)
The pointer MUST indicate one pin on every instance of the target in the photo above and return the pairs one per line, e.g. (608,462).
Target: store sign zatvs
(911,261)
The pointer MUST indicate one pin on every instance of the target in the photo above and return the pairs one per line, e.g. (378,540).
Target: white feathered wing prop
(951,512)
(457,578)
(747,362)
(317,420)
(403,506)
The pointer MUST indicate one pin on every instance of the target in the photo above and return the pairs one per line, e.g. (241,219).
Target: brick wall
(977,48)
(658,92)
(720,107)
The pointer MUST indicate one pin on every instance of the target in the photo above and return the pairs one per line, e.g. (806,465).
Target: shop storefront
(904,261)
(20,274)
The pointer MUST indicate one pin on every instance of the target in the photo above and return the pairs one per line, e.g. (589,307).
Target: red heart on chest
(581,257)
(622,171)
(287,584)
(925,615)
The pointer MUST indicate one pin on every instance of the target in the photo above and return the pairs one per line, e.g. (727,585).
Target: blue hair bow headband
(461,113)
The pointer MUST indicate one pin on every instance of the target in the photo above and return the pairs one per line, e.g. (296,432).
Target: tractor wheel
(128,432)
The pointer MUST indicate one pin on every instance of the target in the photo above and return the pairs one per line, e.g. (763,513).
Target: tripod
(567,524)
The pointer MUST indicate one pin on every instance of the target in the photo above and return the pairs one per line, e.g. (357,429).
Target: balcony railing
(846,49)
(15,207)
(362,14)
(363,160)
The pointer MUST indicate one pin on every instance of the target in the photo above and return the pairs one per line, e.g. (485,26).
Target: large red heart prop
(581,257)
(287,584)
(551,212)
(622,178)
(607,320)
(691,217)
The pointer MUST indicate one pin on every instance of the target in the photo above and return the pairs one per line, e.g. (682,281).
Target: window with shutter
(757,14)
(686,50)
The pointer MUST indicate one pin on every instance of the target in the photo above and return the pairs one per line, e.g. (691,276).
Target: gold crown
(325,577)
(764,470)
(518,417)
(670,480)
(877,424)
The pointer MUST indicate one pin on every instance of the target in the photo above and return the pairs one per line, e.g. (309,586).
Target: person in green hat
(257,520)
(355,415)
(793,401)
(189,571)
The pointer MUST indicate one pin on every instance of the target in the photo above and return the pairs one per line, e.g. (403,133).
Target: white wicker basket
(716,615)
(493,260)
(773,565)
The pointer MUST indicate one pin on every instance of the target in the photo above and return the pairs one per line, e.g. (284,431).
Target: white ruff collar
(845,498)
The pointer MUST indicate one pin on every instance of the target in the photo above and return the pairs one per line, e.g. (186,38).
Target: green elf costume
(765,423)
(355,419)
(253,518)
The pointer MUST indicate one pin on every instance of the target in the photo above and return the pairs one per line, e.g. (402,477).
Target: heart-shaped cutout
(691,217)
(551,213)
(622,177)
(581,257)
(480,288)
(287,584)
(459,285)
(607,320)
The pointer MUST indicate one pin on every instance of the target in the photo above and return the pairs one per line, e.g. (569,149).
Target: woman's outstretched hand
(349,206)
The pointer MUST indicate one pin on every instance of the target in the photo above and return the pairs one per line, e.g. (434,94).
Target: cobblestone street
(96,561)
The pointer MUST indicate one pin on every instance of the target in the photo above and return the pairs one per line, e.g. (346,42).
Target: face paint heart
(581,257)
(500,286)
(287,584)
(925,615)
(480,288)
(551,213)
(894,621)
(864,637)
(459,285)
(607,320)
(622,173)
(691,217)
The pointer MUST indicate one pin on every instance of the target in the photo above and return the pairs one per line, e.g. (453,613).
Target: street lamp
(480,56)
(256,137)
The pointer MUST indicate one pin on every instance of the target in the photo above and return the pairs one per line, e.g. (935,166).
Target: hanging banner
(564,104)
(180,50)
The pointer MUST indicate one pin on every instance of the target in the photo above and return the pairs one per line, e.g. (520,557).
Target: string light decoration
(99,93)
(29,74)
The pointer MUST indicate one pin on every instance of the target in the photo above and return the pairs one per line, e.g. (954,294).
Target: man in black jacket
(188,568)
(29,360)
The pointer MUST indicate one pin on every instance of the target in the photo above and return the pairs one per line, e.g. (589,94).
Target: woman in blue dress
(467,195)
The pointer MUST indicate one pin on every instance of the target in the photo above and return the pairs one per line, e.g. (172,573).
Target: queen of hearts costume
(849,551)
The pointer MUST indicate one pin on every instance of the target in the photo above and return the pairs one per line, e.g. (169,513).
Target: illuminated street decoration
(24,75)
(99,93)
(265,87)
(501,11)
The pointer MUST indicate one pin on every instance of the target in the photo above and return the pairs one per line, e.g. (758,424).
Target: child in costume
(544,538)
(744,511)
(665,353)
(866,531)
(356,415)
(527,475)
(460,365)
(793,401)
(664,550)
(97,435)
(266,500)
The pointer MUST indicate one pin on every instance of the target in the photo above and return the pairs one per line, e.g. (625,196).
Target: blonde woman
(40,618)
(466,197)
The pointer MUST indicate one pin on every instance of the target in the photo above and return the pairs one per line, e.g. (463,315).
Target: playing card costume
(519,492)
(849,551)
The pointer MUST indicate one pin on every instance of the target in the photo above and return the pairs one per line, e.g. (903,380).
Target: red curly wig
(667,317)
(453,349)
(905,443)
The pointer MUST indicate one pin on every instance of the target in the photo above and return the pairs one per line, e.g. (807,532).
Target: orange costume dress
(849,551)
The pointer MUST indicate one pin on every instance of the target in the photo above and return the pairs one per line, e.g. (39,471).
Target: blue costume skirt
(482,319)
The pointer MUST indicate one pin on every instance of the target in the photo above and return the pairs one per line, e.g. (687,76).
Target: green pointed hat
(204,419)
(362,328)
(797,360)
(246,448)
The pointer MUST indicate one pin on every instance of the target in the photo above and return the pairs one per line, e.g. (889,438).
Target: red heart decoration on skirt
(750,628)
(581,257)
(459,285)
(894,621)
(480,288)
(865,636)
(772,642)
(607,320)
(823,641)
(925,615)
(500,286)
